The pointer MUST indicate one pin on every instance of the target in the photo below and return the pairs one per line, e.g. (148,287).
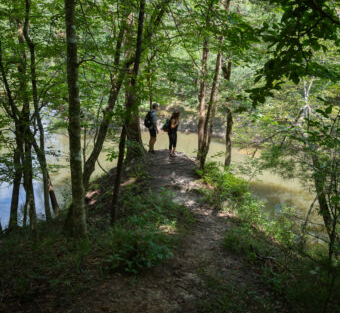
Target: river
(271,188)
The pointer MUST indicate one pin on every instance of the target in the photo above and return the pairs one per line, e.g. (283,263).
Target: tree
(121,69)
(78,220)
(303,30)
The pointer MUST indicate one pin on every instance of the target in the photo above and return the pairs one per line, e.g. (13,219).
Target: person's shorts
(152,132)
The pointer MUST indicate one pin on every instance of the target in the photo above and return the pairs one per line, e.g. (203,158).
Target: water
(271,188)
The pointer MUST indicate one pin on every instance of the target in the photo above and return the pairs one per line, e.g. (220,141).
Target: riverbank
(173,250)
(188,119)
(271,188)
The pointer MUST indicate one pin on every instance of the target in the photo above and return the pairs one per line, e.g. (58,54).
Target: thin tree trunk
(89,167)
(13,112)
(150,89)
(42,159)
(78,225)
(24,222)
(229,128)
(13,221)
(43,164)
(210,119)
(201,97)
(104,126)
(319,181)
(129,105)
(30,198)
(319,187)
(116,84)
(228,134)
(53,198)
(25,118)
(135,148)
(202,88)
(116,188)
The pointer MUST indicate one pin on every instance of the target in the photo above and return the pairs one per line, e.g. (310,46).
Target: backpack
(166,126)
(148,120)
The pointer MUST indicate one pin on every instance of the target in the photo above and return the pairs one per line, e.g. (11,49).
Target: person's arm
(174,123)
(154,120)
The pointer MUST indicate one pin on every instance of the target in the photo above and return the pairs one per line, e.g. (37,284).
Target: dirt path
(178,285)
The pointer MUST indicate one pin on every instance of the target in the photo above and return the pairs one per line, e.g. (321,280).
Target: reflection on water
(271,188)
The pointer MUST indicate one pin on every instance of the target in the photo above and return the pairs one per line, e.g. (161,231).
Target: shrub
(135,250)
(225,186)
(145,236)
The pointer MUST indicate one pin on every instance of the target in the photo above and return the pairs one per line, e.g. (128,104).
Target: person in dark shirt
(153,129)
(173,133)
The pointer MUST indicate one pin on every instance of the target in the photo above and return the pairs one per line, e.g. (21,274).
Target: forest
(243,218)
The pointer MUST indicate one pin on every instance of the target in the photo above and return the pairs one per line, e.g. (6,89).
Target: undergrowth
(148,233)
(55,265)
(306,281)
(236,298)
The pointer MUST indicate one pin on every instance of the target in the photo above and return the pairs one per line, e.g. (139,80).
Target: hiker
(153,128)
(172,132)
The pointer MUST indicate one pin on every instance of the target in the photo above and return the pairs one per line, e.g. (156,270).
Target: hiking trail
(179,284)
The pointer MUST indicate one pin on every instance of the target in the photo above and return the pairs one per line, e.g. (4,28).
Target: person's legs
(171,143)
(152,143)
(153,138)
(174,143)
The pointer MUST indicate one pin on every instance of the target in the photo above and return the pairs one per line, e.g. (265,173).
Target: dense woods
(264,75)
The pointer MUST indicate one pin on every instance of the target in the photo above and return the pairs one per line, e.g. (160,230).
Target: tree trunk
(203,87)
(42,159)
(229,128)
(201,97)
(13,221)
(319,187)
(228,134)
(319,181)
(43,165)
(116,84)
(149,80)
(89,167)
(135,147)
(104,126)
(25,132)
(24,222)
(129,105)
(116,188)
(13,112)
(53,198)
(78,225)
(210,119)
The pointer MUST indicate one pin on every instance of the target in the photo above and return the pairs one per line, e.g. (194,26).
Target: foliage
(304,29)
(272,244)
(235,297)
(145,236)
(143,239)
(224,185)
